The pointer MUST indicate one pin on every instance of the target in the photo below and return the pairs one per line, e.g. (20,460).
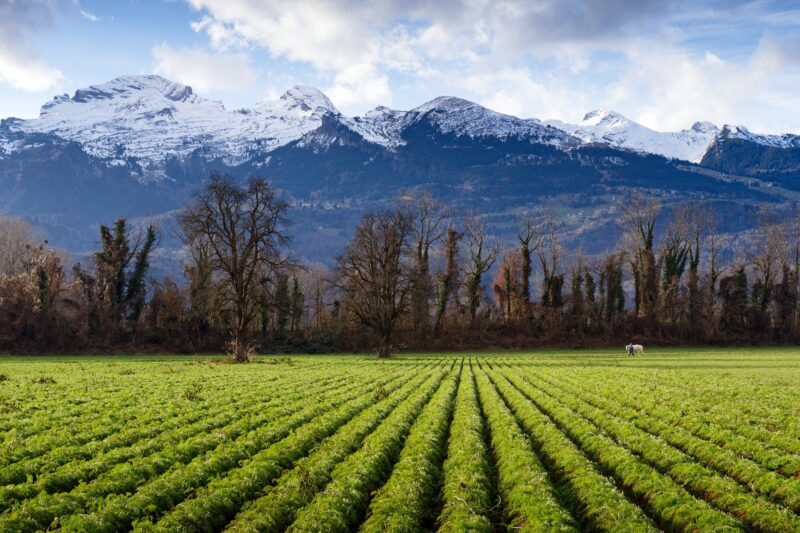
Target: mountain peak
(446,103)
(307,98)
(704,126)
(603,116)
(124,85)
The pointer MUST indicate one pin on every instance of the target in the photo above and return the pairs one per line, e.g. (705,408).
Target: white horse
(633,349)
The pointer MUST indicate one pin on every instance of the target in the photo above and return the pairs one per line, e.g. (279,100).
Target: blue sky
(662,63)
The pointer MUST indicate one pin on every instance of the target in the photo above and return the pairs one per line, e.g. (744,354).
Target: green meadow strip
(467,492)
(243,438)
(722,491)
(216,504)
(592,496)
(530,500)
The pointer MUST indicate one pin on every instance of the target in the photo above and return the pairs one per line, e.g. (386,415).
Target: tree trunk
(384,348)
(239,350)
(239,338)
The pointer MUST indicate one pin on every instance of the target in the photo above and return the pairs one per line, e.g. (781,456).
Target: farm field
(594,440)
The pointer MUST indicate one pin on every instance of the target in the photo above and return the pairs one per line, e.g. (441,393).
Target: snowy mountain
(604,126)
(150,120)
(137,146)
(786,140)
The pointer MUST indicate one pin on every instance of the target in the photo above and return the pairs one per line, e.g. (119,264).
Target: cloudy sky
(665,64)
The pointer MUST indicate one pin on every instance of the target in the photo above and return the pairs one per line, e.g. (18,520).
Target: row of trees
(413,276)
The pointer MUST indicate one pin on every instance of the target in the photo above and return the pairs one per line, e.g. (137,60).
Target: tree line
(413,276)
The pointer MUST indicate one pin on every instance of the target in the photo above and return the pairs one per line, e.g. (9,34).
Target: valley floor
(675,439)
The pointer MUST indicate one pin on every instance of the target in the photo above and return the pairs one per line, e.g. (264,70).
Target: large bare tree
(243,227)
(448,278)
(529,241)
(427,218)
(18,245)
(482,255)
(639,220)
(374,273)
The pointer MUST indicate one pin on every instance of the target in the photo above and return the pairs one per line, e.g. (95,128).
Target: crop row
(277,508)
(770,412)
(104,398)
(76,471)
(696,476)
(590,495)
(51,453)
(217,503)
(769,448)
(530,500)
(670,505)
(113,401)
(241,440)
(119,409)
(343,503)
(467,491)
(403,504)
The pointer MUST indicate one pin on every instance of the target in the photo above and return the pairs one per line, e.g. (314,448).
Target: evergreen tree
(297,304)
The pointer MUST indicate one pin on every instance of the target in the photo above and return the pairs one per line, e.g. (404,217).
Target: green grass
(679,439)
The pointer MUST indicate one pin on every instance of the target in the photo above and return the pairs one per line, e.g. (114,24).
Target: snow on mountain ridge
(307,98)
(606,126)
(787,140)
(151,119)
(604,116)
(463,117)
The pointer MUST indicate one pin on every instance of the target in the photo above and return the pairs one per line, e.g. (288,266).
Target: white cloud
(324,34)
(20,65)
(543,58)
(671,88)
(359,86)
(204,71)
(349,39)
(222,37)
(520,92)
(27,74)
(89,16)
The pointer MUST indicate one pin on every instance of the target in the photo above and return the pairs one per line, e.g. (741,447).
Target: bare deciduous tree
(549,251)
(482,256)
(639,220)
(244,228)
(448,278)
(17,245)
(427,218)
(529,242)
(374,274)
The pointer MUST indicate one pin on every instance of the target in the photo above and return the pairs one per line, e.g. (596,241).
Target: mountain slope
(604,126)
(138,145)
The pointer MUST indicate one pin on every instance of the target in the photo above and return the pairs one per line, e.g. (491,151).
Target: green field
(675,440)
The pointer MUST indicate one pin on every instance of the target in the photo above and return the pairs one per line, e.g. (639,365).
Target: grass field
(676,440)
